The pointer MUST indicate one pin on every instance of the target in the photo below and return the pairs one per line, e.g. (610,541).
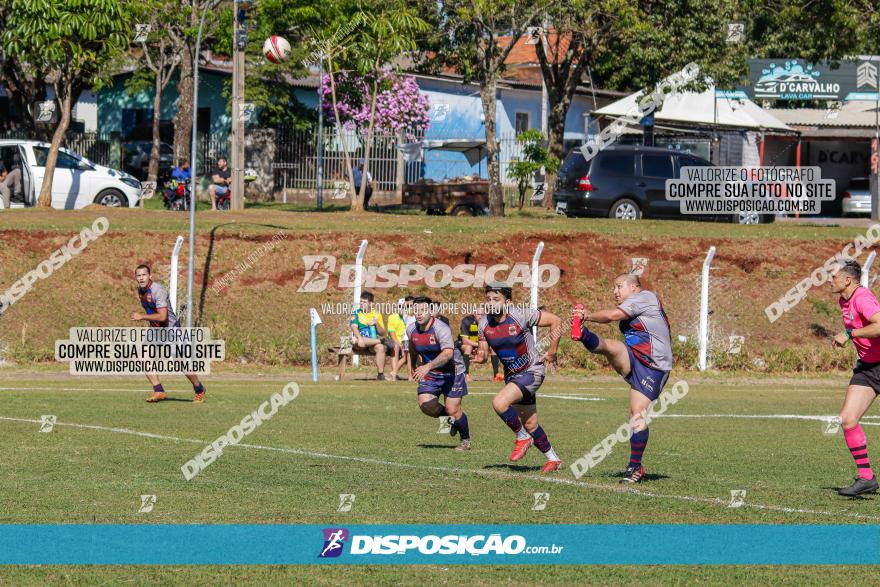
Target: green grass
(337,220)
(76,475)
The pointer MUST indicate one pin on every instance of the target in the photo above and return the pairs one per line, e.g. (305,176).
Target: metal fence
(103,149)
(294,162)
(296,157)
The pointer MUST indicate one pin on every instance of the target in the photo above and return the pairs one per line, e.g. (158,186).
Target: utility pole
(238,53)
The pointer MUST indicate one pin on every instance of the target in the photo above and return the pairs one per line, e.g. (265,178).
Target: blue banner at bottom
(662,544)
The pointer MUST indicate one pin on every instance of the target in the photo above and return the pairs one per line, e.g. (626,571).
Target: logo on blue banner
(334,540)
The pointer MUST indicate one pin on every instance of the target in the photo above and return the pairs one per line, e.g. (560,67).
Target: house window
(522,122)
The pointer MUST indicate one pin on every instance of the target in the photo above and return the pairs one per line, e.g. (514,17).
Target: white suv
(77,182)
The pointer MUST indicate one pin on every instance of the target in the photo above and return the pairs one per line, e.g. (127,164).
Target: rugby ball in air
(276,49)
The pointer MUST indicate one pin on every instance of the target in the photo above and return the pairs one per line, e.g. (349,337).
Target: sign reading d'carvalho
(795,79)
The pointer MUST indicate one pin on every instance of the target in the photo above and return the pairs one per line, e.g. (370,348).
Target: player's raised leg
(643,359)
(613,350)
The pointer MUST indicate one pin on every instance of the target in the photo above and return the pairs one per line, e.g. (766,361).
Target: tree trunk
(368,147)
(556,147)
(345,156)
(183,118)
(45,199)
(153,168)
(400,171)
(496,195)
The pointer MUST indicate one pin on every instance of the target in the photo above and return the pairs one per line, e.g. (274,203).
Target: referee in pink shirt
(861,321)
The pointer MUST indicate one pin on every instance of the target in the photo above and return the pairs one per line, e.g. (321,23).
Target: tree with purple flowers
(400,107)
(363,93)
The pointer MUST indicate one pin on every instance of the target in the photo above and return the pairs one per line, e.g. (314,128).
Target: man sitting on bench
(369,334)
(10,183)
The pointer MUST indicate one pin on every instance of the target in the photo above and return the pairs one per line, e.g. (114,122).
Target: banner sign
(795,79)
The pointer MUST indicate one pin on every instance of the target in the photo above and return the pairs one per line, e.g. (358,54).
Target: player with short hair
(861,322)
(441,371)
(643,359)
(508,331)
(155,300)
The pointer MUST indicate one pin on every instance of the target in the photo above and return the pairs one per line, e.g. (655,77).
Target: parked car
(136,159)
(76,183)
(857,197)
(629,182)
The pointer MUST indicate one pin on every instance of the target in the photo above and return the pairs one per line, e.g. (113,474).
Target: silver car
(857,197)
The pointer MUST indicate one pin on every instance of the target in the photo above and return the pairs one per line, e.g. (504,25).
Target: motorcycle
(176,195)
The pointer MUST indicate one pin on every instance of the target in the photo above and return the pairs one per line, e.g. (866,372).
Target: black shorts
(866,374)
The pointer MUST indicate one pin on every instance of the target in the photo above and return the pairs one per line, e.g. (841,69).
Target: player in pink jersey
(861,321)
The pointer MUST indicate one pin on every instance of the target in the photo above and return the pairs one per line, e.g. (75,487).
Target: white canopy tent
(701,110)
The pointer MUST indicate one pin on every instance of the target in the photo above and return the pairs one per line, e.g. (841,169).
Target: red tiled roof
(524,54)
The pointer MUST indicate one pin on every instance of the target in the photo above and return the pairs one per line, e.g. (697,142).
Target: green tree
(379,37)
(476,37)
(23,89)
(567,51)
(535,157)
(161,54)
(267,84)
(68,42)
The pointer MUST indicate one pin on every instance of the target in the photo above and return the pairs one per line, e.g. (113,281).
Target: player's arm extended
(555,324)
(872,330)
(605,316)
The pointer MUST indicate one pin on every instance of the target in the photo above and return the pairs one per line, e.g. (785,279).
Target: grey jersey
(512,339)
(646,330)
(429,343)
(156,296)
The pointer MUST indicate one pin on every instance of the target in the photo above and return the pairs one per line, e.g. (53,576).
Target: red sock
(858,446)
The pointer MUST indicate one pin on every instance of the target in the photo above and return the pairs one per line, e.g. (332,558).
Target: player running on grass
(644,358)
(861,321)
(508,331)
(441,371)
(155,301)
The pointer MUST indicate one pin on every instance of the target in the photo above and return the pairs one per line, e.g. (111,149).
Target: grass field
(368,439)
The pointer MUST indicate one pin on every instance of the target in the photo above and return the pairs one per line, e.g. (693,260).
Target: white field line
(590,398)
(492,474)
(547,395)
(768,417)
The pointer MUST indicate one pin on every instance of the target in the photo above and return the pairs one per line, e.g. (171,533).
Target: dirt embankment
(247,280)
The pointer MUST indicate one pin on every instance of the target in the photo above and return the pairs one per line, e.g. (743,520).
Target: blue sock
(462,425)
(541,440)
(589,339)
(637,443)
(511,418)
(159,388)
(199,388)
